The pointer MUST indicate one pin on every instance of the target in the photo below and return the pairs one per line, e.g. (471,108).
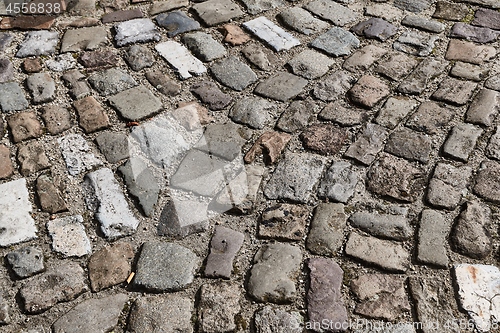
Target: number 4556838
(40,8)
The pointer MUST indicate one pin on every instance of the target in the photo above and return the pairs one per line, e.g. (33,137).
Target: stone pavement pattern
(251,166)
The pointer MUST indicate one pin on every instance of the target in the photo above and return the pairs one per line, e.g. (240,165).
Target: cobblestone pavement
(250,166)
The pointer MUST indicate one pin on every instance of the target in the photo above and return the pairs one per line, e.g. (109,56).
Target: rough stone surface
(114,146)
(24,126)
(57,119)
(69,237)
(484,107)
(448,185)
(418,80)
(368,144)
(339,182)
(396,66)
(284,222)
(12,97)
(176,23)
(382,225)
(50,196)
(90,38)
(139,57)
(295,177)
(104,312)
(326,139)
(394,111)
(455,91)
(106,199)
(92,116)
(163,83)
(210,94)
(368,91)
(302,21)
(364,58)
(233,73)
(397,178)
(493,82)
(6,70)
(381,253)
(26,261)
(180,218)
(413,146)
(111,81)
(469,71)
(77,154)
(488,180)
(6,168)
(469,52)
(336,42)
(326,233)
(310,64)
(97,60)
(375,28)
(332,11)
(469,235)
(165,267)
(270,145)
(58,284)
(170,313)
(77,84)
(136,103)
(461,141)
(140,30)
(450,11)
(258,6)
(413,6)
(474,34)
(382,296)
(223,140)
(281,87)
(274,320)
(38,43)
(432,234)
(224,246)
(274,273)
(213,12)
(219,304)
(260,56)
(234,35)
(277,38)
(333,86)
(343,113)
(430,118)
(32,158)
(415,43)
(423,23)
(324,296)
(487,18)
(204,46)
(110,266)
(493,148)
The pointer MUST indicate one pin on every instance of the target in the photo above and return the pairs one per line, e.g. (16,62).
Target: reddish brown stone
(91,113)
(469,52)
(49,195)
(368,91)
(27,22)
(32,158)
(6,169)
(24,126)
(234,35)
(163,83)
(99,59)
(57,119)
(110,266)
(324,138)
(32,65)
(270,144)
(79,23)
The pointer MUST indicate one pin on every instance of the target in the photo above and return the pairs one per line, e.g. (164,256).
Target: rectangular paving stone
(302,21)
(493,148)
(310,64)
(181,59)
(447,186)
(233,73)
(385,254)
(469,71)
(423,23)
(474,34)
(69,237)
(6,168)
(432,238)
(396,66)
(213,12)
(430,117)
(16,223)
(111,81)
(487,18)
(364,58)
(326,233)
(12,97)
(376,28)
(368,91)
(24,126)
(277,38)
(259,6)
(488,181)
(32,157)
(461,141)
(295,177)
(140,30)
(158,7)
(469,52)
(416,43)
(339,182)
(409,144)
(454,91)
(204,46)
(136,103)
(417,81)
(484,107)
(122,15)
(92,116)
(384,10)
(38,43)
(368,144)
(77,84)
(281,87)
(105,198)
(77,154)
(91,38)
(332,11)
(486,3)
(450,11)
(342,113)
(224,246)
(336,42)
(394,111)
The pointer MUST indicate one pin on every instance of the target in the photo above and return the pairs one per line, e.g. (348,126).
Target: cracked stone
(448,185)
(368,144)
(69,237)
(416,43)
(430,118)
(432,238)
(470,236)
(461,141)
(339,182)
(224,246)
(165,266)
(382,225)
(336,42)
(26,261)
(176,23)
(105,198)
(277,38)
(274,273)
(385,254)
(136,103)
(110,266)
(284,222)
(326,234)
(77,84)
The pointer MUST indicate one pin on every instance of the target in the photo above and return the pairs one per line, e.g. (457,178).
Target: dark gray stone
(204,46)
(336,42)
(432,238)
(179,219)
(176,23)
(368,144)
(450,11)
(233,73)
(382,225)
(326,234)
(139,57)
(413,146)
(339,182)
(324,296)
(224,246)
(139,30)
(274,273)
(165,267)
(141,184)
(295,177)
(105,313)
(302,21)
(222,140)
(114,145)
(487,18)
(5,40)
(62,283)
(470,235)
(12,97)
(430,118)
(447,185)
(474,34)
(218,307)
(136,103)
(208,92)
(413,5)
(375,28)
(6,70)
(416,43)
(111,81)
(484,107)
(396,178)
(461,141)
(281,87)
(26,261)
(252,111)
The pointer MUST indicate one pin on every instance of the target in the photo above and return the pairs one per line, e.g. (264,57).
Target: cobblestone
(332,11)
(176,23)
(302,21)
(26,261)
(461,141)
(336,42)
(382,225)
(448,185)
(327,228)
(432,234)
(81,39)
(469,52)
(277,38)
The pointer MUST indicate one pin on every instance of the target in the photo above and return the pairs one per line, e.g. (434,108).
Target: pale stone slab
(77,154)
(272,34)
(179,57)
(69,237)
(16,223)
